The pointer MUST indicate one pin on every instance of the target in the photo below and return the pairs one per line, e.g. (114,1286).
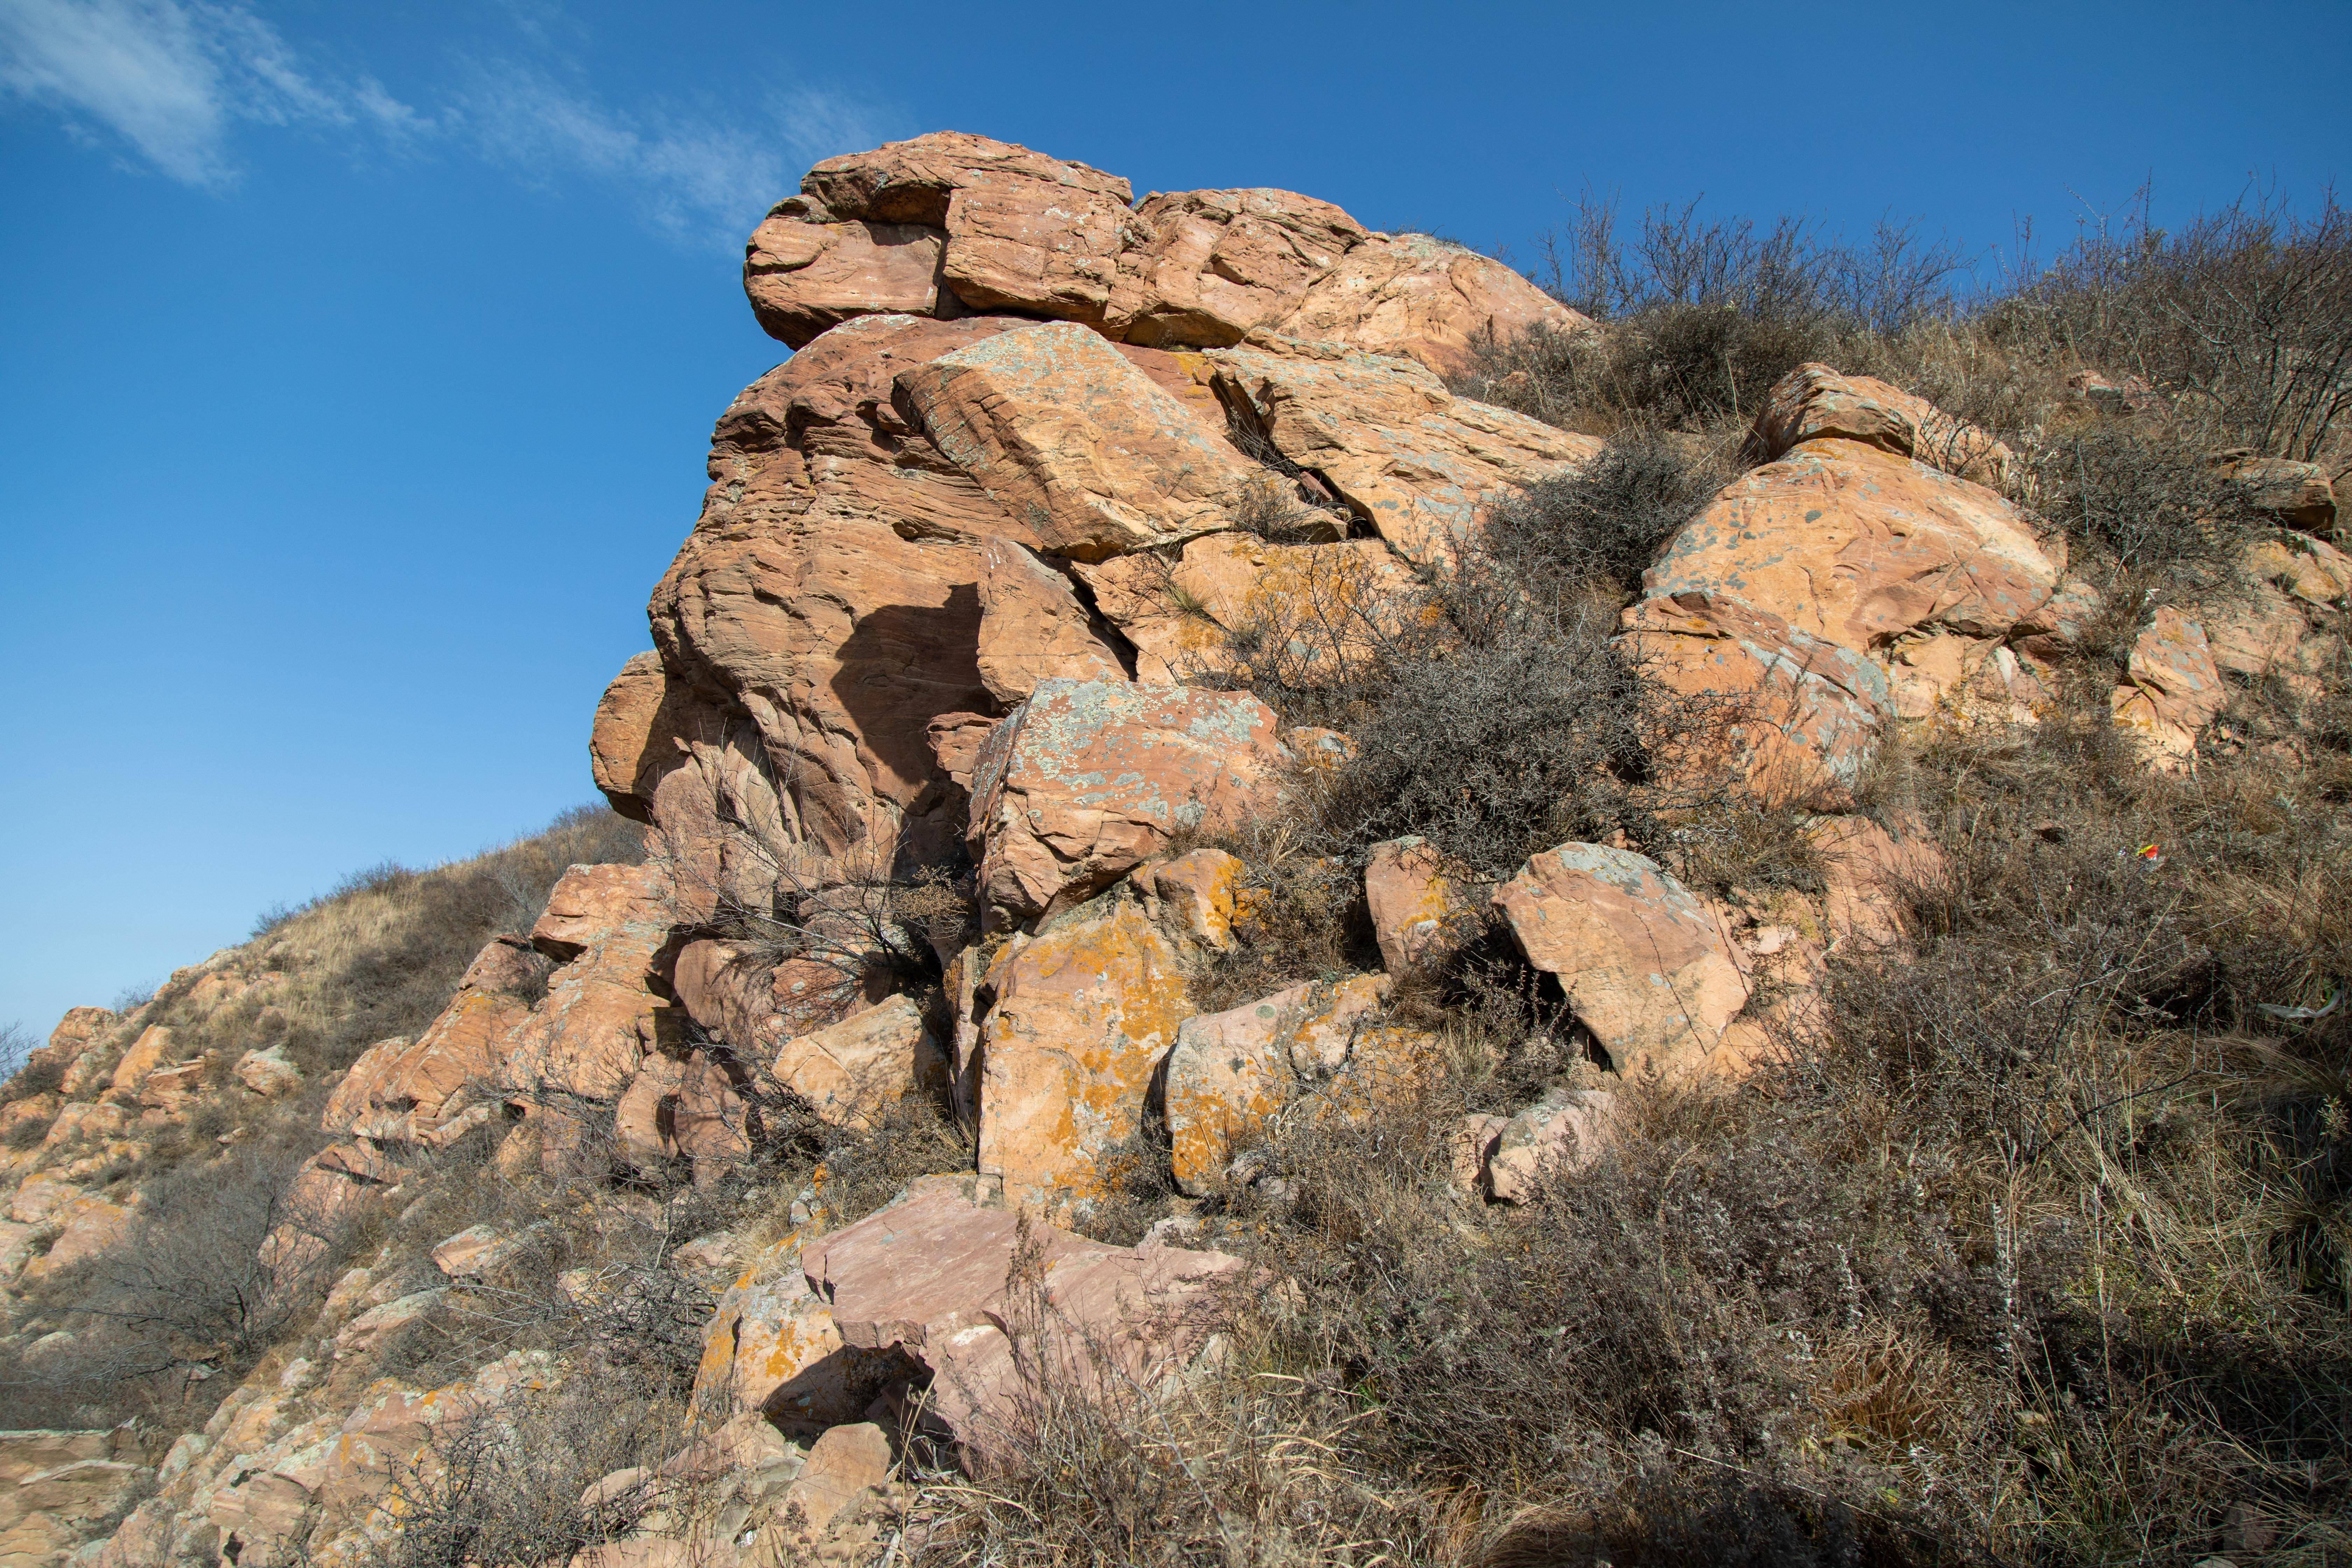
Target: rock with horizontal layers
(1417,901)
(1561,1133)
(1230,1073)
(1421,465)
(824,609)
(1087,779)
(1207,267)
(1814,401)
(60,1490)
(933,1274)
(1646,964)
(802,276)
(1071,437)
(173,1089)
(2171,687)
(1082,1016)
(849,1072)
(602,1012)
(1411,294)
(1033,628)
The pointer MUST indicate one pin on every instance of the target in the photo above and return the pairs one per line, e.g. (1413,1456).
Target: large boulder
(1384,434)
(1646,964)
(603,1011)
(1081,1017)
(1813,401)
(2172,687)
(1411,294)
(849,1072)
(1033,628)
(1787,597)
(1207,267)
(804,275)
(1070,437)
(1230,1073)
(1087,779)
(954,1285)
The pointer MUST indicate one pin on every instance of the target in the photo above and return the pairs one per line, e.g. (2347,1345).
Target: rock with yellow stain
(1196,895)
(769,1330)
(1417,902)
(1083,1014)
(1230,1073)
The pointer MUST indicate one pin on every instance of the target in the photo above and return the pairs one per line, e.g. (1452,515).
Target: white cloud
(694,177)
(170,79)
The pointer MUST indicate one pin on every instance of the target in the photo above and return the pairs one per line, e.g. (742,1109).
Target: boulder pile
(926,754)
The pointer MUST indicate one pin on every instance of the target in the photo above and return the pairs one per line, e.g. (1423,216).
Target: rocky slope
(944,754)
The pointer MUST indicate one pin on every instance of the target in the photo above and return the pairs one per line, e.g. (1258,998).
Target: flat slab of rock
(1814,401)
(1087,779)
(1645,964)
(934,1274)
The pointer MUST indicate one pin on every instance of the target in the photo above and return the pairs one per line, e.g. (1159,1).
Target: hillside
(1274,897)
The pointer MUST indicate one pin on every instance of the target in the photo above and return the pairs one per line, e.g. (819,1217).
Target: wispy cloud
(169,80)
(692,175)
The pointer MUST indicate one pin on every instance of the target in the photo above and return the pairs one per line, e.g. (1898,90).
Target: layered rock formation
(925,745)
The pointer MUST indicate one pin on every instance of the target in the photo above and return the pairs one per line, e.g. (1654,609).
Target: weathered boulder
(1786,596)
(1814,401)
(1033,628)
(88,1227)
(769,1330)
(2171,687)
(845,1465)
(269,1073)
(934,1275)
(1081,1016)
(1196,895)
(1230,1073)
(1646,965)
(802,275)
(603,1013)
(2309,570)
(1206,267)
(173,1089)
(149,1051)
(1091,454)
(1085,781)
(1338,601)
(1417,902)
(2298,493)
(81,1028)
(1559,1134)
(60,1490)
(1411,294)
(1421,465)
(426,1090)
(849,1071)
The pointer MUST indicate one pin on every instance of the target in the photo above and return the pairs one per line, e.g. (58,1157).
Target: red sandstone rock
(1411,294)
(1086,779)
(934,1274)
(1417,904)
(1031,627)
(1206,267)
(849,1071)
(803,276)
(2171,687)
(1561,1133)
(1082,1016)
(1646,964)
(1813,400)
(1421,465)
(1071,437)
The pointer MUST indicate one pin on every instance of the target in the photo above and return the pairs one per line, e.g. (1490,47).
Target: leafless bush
(506,1480)
(2149,512)
(2242,318)
(1604,523)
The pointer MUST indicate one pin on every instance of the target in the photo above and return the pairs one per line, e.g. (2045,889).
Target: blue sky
(356,361)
